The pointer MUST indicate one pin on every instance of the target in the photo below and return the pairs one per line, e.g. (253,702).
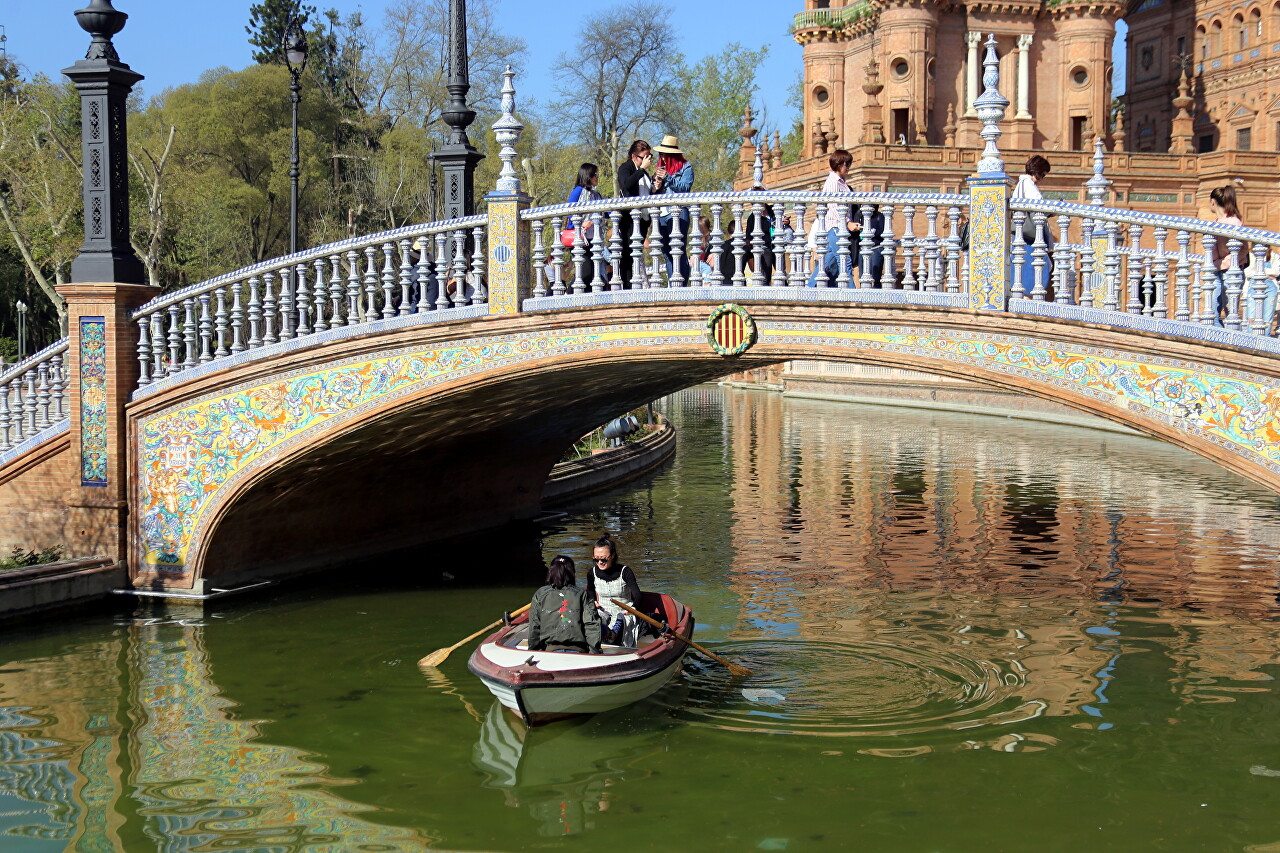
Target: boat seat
(605,648)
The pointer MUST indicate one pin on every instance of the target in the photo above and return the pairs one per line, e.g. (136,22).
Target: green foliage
(268,21)
(717,92)
(40,181)
(20,559)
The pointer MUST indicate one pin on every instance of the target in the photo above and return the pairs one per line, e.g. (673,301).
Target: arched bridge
(342,401)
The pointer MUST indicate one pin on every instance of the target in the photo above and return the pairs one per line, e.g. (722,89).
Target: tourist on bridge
(634,181)
(1029,187)
(827,238)
(584,190)
(561,616)
(1222,202)
(674,175)
(609,579)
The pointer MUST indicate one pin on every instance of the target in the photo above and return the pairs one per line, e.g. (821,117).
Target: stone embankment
(886,386)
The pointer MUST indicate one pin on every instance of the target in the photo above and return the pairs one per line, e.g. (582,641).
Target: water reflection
(199,778)
(902,584)
(564,776)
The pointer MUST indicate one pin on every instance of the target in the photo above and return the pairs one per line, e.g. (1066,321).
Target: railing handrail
(769,196)
(1136,217)
(56,348)
(417,230)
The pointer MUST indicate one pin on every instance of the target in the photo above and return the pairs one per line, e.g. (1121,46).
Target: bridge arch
(453,427)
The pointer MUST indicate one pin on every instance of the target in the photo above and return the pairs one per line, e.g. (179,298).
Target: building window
(1244,139)
(1079,76)
(1204,144)
(1215,38)
(901,125)
(1182,46)
(821,96)
(1242,33)
(1078,124)
(901,68)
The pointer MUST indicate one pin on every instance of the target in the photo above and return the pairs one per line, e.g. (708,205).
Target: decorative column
(1182,134)
(107,286)
(1024,76)
(1118,135)
(973,41)
(949,129)
(873,117)
(1022,128)
(989,200)
(818,138)
(1097,189)
(509,234)
(746,151)
(457,158)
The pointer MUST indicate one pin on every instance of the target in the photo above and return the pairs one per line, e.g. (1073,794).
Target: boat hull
(544,703)
(544,686)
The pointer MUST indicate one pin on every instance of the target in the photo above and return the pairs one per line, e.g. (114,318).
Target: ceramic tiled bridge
(421,383)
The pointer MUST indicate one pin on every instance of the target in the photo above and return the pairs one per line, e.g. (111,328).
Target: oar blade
(435,658)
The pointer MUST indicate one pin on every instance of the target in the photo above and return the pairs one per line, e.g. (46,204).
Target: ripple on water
(854,689)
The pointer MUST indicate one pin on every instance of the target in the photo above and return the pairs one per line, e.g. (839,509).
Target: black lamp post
(22,329)
(458,158)
(295,56)
(104,83)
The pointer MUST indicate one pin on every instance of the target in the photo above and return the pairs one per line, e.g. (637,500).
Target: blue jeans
(831,261)
(664,235)
(1219,297)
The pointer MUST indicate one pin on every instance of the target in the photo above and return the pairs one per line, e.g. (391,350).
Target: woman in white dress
(609,579)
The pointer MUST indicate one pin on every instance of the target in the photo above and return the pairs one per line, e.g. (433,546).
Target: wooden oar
(438,656)
(736,669)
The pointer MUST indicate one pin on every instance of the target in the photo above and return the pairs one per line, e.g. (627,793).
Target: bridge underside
(383,441)
(452,464)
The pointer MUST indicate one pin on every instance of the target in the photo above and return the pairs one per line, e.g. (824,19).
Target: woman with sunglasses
(609,579)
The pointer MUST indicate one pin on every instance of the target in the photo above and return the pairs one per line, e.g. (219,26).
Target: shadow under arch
(413,439)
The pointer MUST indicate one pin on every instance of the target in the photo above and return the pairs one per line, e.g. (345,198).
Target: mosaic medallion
(730,330)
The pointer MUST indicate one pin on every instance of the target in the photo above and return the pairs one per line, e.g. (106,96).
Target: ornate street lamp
(22,329)
(458,158)
(104,83)
(295,56)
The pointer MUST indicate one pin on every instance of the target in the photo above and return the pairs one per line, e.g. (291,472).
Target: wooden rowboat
(543,686)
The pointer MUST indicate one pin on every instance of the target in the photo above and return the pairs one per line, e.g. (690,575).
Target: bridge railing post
(989,200)
(107,286)
(509,232)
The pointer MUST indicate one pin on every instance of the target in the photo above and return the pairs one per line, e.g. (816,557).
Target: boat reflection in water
(565,773)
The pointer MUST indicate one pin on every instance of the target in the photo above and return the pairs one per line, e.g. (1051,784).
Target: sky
(172,42)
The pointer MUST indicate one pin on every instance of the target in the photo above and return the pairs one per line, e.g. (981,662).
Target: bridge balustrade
(33,395)
(1141,264)
(431,268)
(754,239)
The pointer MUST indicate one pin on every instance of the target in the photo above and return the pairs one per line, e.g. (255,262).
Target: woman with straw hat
(674,175)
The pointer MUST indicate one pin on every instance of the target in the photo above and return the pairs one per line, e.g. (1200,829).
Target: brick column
(102,371)
(509,239)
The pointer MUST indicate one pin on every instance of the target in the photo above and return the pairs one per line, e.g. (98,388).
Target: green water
(966,633)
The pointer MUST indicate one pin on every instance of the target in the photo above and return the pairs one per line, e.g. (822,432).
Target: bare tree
(407,66)
(620,80)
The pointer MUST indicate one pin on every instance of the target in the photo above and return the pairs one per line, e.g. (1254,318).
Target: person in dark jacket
(609,579)
(634,181)
(561,615)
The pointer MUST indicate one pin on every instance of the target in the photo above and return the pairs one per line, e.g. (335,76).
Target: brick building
(894,81)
